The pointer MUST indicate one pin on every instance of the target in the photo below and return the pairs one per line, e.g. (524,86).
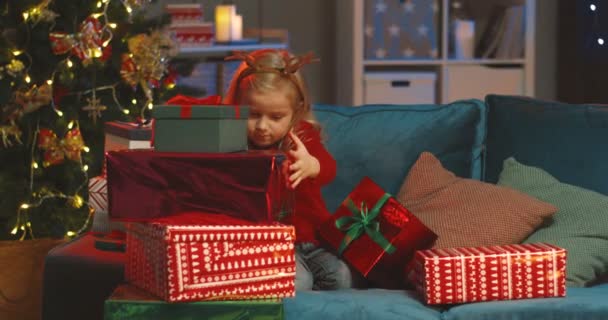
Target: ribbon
(86,44)
(55,149)
(363,220)
(186,103)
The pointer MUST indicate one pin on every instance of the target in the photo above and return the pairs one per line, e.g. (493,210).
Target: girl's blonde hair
(272,70)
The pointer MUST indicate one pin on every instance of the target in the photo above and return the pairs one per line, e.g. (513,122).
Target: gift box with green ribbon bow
(376,235)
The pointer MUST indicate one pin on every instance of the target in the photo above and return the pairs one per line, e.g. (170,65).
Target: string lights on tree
(66,66)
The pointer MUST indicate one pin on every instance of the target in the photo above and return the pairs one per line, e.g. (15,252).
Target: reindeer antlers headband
(292,65)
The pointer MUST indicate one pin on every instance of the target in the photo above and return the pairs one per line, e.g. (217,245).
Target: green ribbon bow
(363,220)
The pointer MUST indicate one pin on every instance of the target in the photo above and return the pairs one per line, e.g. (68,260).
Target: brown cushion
(466,212)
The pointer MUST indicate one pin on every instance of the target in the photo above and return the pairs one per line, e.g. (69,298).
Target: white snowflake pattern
(394,30)
(423,30)
(408,52)
(409,6)
(381,7)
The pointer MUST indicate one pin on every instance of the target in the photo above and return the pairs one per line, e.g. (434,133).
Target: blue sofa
(471,138)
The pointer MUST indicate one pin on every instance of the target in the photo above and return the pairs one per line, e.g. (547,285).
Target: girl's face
(270,116)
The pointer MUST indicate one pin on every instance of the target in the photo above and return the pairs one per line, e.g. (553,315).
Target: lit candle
(237,27)
(223,22)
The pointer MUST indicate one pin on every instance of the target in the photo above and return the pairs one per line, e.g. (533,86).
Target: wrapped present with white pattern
(202,257)
(505,272)
(98,193)
(183,13)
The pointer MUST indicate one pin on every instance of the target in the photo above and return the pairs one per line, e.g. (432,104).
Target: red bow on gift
(55,150)
(86,44)
(182,100)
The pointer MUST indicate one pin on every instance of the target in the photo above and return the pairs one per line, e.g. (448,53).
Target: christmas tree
(66,67)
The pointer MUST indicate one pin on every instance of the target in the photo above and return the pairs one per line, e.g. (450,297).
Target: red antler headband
(292,65)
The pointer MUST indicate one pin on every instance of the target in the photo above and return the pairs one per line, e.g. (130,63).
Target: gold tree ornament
(40,13)
(14,68)
(147,61)
(10,134)
(35,97)
(94,108)
(132,5)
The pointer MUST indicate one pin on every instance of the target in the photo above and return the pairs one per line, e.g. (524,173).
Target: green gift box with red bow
(187,124)
(376,235)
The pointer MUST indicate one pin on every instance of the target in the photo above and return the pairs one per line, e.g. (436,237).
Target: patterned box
(185,13)
(211,257)
(98,194)
(401,29)
(193,34)
(506,272)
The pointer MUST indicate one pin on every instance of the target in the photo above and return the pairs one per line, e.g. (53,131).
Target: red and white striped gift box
(193,34)
(98,194)
(185,13)
(505,272)
(184,262)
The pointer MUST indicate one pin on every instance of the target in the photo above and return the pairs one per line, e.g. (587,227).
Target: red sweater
(310,210)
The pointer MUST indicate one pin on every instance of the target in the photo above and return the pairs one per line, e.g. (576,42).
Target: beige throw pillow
(467,212)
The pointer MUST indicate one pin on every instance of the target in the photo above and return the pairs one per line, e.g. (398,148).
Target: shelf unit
(455,78)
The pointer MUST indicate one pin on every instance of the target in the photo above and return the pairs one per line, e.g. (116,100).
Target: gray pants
(319,269)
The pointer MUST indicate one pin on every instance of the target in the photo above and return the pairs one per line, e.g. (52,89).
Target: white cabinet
(506,69)
(399,87)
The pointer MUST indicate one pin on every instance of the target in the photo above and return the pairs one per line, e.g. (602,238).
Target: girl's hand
(304,166)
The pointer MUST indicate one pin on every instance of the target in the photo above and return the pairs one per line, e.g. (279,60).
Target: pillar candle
(237,27)
(223,22)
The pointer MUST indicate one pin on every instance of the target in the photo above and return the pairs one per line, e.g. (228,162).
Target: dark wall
(582,70)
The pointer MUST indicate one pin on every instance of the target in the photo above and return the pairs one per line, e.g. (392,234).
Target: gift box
(375,234)
(146,184)
(190,125)
(184,13)
(98,193)
(199,256)
(193,34)
(126,135)
(129,302)
(506,272)
(98,200)
(401,29)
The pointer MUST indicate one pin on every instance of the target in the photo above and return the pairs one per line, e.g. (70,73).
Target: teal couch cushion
(384,141)
(568,141)
(372,304)
(579,303)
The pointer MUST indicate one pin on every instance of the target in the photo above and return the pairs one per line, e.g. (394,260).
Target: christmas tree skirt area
(21,277)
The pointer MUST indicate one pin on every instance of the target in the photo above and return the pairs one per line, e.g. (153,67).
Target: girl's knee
(343,276)
(304,278)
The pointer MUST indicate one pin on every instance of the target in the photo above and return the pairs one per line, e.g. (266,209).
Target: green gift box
(200,128)
(130,303)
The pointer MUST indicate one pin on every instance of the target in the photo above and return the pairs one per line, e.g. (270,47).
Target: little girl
(280,118)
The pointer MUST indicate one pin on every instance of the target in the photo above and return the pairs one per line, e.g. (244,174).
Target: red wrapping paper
(399,226)
(145,184)
(196,256)
(506,272)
